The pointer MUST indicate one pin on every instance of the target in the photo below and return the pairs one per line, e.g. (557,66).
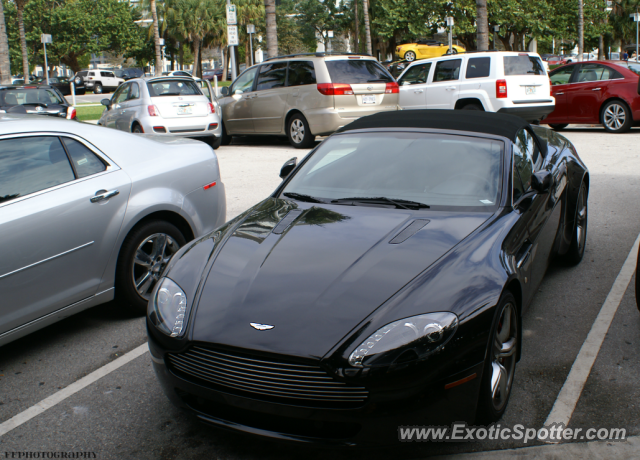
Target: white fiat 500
(170,106)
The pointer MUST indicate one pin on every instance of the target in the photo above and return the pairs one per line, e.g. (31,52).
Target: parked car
(165,106)
(88,214)
(597,92)
(129,73)
(35,99)
(425,49)
(382,283)
(397,67)
(556,60)
(101,81)
(210,73)
(503,81)
(178,73)
(305,96)
(614,56)
(62,84)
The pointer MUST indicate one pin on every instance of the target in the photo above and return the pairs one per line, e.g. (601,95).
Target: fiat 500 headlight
(168,308)
(409,339)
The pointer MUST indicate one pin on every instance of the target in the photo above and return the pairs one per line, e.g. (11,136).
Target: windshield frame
(503,188)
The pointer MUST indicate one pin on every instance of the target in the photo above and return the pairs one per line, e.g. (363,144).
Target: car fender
(479,94)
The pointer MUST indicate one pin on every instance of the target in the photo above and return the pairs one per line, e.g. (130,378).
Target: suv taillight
(335,89)
(392,88)
(153,111)
(501,89)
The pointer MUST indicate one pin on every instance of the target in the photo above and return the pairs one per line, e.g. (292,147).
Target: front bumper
(376,422)
(530,112)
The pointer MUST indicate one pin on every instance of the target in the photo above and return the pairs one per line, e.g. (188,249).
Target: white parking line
(572,389)
(70,390)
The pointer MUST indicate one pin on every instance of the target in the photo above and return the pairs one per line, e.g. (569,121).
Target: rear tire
(146,251)
(137,129)
(579,238)
(558,126)
(97,89)
(299,133)
(472,107)
(616,117)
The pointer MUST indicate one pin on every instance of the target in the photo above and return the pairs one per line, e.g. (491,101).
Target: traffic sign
(232,36)
(232,17)
(45,38)
(449,21)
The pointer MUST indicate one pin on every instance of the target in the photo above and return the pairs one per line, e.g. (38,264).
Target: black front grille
(266,379)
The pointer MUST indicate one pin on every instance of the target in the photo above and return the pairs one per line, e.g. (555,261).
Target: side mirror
(288,167)
(106,103)
(224,91)
(541,181)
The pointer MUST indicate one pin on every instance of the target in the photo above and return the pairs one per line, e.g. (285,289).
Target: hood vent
(410,230)
(286,221)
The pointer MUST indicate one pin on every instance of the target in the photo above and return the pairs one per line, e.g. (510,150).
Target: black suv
(128,74)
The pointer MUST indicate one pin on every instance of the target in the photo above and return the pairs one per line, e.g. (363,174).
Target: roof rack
(321,54)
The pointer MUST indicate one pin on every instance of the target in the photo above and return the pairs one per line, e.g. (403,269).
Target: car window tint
(518,189)
(527,157)
(301,73)
(478,67)
(357,71)
(415,74)
(31,164)
(244,82)
(121,94)
(171,87)
(447,70)
(596,72)
(84,160)
(272,76)
(134,92)
(561,76)
(30,96)
(523,64)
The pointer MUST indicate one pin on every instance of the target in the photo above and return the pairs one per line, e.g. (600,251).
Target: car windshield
(523,65)
(442,171)
(172,87)
(28,96)
(357,71)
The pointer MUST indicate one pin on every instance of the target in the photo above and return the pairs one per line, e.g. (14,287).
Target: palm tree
(367,26)
(156,39)
(482,25)
(580,30)
(23,40)
(5,62)
(272,31)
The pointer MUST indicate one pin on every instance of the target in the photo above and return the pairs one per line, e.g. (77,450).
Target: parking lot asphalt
(125,415)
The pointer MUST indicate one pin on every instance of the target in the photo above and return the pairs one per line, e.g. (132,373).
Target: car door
(236,107)
(129,107)
(109,80)
(114,114)
(586,95)
(61,208)
(270,100)
(445,84)
(561,79)
(413,86)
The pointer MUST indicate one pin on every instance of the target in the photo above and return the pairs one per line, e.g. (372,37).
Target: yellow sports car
(423,49)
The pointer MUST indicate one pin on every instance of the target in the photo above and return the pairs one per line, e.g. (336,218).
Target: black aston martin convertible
(381,285)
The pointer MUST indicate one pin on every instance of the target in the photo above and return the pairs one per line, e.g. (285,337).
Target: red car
(596,92)
(556,60)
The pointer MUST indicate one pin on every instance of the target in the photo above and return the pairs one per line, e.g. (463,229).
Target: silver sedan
(166,106)
(88,214)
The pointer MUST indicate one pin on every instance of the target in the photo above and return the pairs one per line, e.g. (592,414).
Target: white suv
(510,82)
(101,81)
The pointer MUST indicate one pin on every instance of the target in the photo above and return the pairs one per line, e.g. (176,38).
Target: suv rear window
(357,71)
(523,65)
(172,87)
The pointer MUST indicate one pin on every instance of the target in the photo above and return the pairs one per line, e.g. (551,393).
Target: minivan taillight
(153,111)
(392,88)
(501,89)
(335,89)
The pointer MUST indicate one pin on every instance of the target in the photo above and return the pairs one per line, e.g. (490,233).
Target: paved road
(125,415)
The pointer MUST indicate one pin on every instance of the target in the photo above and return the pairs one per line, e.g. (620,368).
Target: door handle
(596,89)
(450,88)
(418,91)
(559,94)
(102,195)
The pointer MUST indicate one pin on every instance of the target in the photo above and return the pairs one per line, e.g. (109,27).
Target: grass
(89,113)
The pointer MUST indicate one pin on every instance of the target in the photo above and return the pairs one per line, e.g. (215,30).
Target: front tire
(579,238)
(616,117)
(299,133)
(145,253)
(500,363)
(410,56)
(558,126)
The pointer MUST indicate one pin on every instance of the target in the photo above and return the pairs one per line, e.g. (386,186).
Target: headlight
(414,338)
(168,308)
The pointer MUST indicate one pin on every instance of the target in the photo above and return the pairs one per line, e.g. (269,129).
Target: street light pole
(251,29)
(496,29)
(449,20)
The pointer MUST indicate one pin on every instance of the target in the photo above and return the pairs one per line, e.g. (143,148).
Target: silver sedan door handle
(102,195)
(596,89)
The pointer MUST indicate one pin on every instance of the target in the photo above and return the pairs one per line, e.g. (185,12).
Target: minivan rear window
(523,65)
(172,87)
(357,71)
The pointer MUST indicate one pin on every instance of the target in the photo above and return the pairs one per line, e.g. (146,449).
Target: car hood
(317,278)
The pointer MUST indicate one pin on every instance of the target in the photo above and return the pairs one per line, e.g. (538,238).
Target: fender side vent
(286,221)
(410,230)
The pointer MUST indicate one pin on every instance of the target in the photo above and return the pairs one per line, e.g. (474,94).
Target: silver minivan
(304,96)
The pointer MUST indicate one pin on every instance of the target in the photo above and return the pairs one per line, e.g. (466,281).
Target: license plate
(529,90)
(184,110)
(368,99)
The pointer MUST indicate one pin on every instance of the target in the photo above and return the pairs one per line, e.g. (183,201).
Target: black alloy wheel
(579,238)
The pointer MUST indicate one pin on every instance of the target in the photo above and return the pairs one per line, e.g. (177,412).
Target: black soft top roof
(500,124)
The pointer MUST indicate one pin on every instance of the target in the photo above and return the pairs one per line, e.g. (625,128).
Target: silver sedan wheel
(504,355)
(615,117)
(297,130)
(151,258)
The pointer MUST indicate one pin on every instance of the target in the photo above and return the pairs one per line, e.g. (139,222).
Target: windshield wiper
(397,202)
(302,197)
